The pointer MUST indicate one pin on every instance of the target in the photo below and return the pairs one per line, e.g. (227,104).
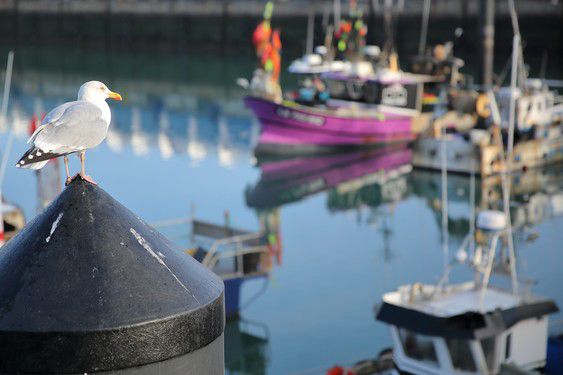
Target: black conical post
(89,286)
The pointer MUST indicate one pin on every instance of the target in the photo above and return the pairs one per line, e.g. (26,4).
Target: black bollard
(88,286)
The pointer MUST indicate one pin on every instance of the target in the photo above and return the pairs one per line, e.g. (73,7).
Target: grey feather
(71,127)
(52,116)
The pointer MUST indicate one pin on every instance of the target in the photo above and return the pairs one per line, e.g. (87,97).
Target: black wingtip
(35,155)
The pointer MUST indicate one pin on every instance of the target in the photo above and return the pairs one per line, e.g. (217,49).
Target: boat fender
(483,106)
(339,370)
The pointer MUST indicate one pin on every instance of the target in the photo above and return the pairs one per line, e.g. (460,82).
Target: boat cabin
(534,105)
(465,329)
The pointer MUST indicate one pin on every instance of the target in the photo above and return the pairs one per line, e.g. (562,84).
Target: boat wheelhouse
(534,104)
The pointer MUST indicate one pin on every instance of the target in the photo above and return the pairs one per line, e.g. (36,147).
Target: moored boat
(305,128)
(470,327)
(234,255)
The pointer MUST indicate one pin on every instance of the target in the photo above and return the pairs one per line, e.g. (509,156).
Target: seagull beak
(114,95)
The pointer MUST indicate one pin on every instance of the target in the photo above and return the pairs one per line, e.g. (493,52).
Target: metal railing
(215,254)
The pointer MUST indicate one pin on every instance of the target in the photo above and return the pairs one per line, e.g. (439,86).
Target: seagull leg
(68,179)
(82,173)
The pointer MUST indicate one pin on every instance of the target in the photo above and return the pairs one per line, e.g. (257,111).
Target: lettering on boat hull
(300,116)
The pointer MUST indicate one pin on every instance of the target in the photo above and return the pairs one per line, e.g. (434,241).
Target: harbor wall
(184,25)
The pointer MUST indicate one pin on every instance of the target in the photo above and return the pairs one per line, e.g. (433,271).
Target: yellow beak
(114,95)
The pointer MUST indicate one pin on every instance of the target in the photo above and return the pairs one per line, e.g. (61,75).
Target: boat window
(507,347)
(419,347)
(461,355)
(488,346)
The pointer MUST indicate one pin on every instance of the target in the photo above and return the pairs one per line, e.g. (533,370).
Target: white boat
(469,327)
(538,142)
(525,112)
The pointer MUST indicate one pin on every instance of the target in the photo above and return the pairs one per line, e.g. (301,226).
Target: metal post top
(88,286)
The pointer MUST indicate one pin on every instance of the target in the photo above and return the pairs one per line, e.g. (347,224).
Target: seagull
(72,127)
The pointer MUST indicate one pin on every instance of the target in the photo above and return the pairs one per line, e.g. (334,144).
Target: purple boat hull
(297,125)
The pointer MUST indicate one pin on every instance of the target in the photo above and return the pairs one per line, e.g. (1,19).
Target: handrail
(226,241)
(231,253)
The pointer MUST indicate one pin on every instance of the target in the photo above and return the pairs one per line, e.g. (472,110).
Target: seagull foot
(88,179)
(69,180)
(83,177)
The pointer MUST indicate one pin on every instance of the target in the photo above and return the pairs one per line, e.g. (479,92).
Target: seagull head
(96,91)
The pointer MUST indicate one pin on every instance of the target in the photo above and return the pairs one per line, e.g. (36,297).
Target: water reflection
(250,343)
(170,117)
(290,180)
(536,196)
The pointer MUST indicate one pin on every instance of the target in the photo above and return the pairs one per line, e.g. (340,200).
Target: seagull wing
(52,116)
(79,126)
(68,128)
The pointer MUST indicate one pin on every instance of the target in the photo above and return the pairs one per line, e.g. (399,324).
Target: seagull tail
(34,166)
(35,158)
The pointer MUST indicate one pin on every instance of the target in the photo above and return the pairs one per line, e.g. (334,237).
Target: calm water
(350,231)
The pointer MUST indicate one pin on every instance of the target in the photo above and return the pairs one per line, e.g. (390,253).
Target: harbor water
(351,227)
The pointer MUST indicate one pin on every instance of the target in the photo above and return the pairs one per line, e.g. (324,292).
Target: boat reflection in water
(289,180)
(536,195)
(249,347)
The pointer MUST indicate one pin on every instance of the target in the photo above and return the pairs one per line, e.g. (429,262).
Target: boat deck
(453,300)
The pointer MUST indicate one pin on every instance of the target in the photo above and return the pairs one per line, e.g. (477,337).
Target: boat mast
(515,75)
(337,10)
(516,60)
(4,114)
(310,28)
(488,31)
(424,27)
(444,178)
(389,46)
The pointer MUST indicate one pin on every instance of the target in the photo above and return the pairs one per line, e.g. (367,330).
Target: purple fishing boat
(290,126)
